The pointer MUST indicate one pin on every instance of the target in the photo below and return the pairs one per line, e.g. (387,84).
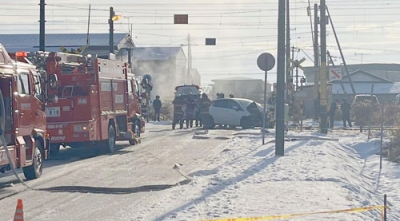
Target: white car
(365,97)
(236,112)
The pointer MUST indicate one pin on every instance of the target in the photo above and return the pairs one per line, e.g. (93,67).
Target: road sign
(335,73)
(266,61)
(297,64)
(211,41)
(181,19)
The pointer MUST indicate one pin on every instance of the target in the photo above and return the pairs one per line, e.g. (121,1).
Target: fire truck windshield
(2,59)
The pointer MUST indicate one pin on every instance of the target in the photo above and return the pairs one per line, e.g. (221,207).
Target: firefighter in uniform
(205,104)
(178,103)
(197,111)
(190,112)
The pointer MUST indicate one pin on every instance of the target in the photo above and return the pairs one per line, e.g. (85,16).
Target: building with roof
(98,43)
(390,72)
(241,87)
(363,81)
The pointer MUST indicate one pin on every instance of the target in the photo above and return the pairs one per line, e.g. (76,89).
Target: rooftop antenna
(88,28)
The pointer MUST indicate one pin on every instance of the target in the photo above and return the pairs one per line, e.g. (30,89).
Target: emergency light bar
(21,54)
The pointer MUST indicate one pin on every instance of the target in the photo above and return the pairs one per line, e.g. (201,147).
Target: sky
(368,30)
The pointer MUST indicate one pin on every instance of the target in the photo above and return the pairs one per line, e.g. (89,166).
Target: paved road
(82,184)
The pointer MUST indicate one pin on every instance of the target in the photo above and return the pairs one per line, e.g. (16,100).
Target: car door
(217,111)
(233,113)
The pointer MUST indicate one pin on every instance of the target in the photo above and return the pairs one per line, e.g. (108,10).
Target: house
(241,87)
(166,66)
(390,72)
(98,42)
(363,82)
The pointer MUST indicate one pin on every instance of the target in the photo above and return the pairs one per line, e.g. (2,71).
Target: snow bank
(247,180)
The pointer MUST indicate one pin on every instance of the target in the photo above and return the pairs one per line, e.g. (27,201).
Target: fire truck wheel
(35,170)
(111,139)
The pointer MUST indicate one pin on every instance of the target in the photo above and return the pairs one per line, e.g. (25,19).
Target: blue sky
(368,30)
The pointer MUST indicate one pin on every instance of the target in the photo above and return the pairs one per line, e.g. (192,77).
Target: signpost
(265,62)
(297,64)
(335,73)
(182,19)
(211,41)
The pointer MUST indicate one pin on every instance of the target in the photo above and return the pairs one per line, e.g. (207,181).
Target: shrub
(363,112)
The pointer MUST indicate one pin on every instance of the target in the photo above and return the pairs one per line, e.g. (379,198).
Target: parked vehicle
(98,101)
(183,93)
(237,112)
(365,97)
(397,99)
(23,100)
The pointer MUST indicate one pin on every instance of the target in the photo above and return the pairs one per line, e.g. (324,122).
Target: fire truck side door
(136,95)
(131,98)
(23,105)
(38,110)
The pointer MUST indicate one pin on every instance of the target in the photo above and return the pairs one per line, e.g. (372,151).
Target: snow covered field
(247,180)
(233,176)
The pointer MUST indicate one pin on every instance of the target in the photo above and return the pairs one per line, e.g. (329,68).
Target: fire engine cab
(22,114)
(98,101)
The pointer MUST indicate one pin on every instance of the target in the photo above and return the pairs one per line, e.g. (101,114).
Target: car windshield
(365,98)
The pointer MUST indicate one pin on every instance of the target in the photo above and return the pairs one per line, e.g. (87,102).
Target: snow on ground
(247,180)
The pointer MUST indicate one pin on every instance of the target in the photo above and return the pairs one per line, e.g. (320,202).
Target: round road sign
(266,61)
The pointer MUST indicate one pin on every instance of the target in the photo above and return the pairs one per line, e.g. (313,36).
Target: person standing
(332,112)
(189,111)
(272,99)
(345,108)
(205,104)
(178,103)
(157,107)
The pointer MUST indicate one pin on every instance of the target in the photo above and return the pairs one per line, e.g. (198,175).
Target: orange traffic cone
(19,212)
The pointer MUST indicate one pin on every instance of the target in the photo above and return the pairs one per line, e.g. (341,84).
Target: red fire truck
(22,114)
(98,101)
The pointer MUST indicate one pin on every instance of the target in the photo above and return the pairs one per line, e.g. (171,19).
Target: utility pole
(189,59)
(111,22)
(42,21)
(340,50)
(316,64)
(280,79)
(88,28)
(287,50)
(323,73)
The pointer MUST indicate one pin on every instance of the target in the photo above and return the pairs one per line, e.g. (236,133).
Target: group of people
(345,108)
(191,108)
